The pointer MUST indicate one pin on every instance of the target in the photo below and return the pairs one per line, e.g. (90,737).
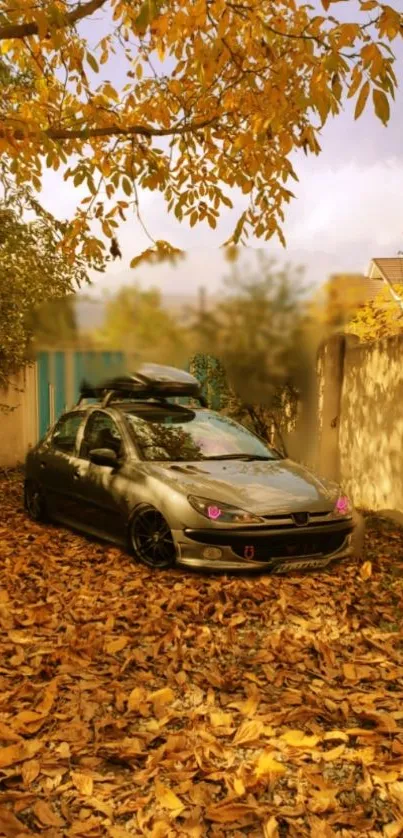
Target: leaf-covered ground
(175,704)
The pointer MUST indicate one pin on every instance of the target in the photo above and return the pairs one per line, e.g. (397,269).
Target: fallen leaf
(248,731)
(239,787)
(267,764)
(116,645)
(270,828)
(12,754)
(12,827)
(136,699)
(322,801)
(30,771)
(229,812)
(83,783)
(338,735)
(46,815)
(167,798)
(366,571)
(334,753)
(7,734)
(299,739)
(393,829)
(220,719)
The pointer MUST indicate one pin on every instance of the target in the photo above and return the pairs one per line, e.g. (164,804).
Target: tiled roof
(388,269)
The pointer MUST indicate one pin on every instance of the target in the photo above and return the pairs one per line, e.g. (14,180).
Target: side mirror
(104,457)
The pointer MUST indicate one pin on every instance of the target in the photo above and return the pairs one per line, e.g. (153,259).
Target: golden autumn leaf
(381,103)
(338,735)
(12,754)
(11,826)
(137,699)
(116,645)
(7,734)
(366,571)
(168,799)
(270,828)
(249,731)
(267,764)
(334,753)
(299,739)
(229,812)
(163,696)
(323,800)
(394,829)
(362,99)
(30,771)
(239,787)
(46,815)
(220,719)
(83,783)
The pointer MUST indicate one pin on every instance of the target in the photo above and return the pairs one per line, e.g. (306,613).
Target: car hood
(261,487)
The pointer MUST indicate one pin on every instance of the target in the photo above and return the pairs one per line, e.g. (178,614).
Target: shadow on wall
(371,428)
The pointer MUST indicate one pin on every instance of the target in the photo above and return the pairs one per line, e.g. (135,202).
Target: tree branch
(23,30)
(60,134)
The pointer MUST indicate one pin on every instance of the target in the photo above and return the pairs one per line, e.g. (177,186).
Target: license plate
(306,564)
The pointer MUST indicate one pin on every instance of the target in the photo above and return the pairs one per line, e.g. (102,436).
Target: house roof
(390,270)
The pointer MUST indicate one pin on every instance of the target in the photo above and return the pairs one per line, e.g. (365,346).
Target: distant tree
(257,332)
(137,322)
(54,323)
(33,270)
(378,318)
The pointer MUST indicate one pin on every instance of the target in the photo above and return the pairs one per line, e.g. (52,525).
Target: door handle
(42,464)
(76,473)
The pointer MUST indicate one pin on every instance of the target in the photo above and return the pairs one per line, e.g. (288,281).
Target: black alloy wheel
(34,501)
(151,538)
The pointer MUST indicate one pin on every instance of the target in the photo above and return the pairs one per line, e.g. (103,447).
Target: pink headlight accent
(214,512)
(343,505)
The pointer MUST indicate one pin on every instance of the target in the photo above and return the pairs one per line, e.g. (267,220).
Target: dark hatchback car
(183,485)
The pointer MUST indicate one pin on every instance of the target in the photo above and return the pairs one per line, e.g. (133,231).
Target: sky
(348,209)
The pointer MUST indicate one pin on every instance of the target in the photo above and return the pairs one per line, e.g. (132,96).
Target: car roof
(136,406)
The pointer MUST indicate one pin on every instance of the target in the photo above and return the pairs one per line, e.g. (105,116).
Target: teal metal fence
(61,372)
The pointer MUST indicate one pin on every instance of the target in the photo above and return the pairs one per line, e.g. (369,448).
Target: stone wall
(18,417)
(371,425)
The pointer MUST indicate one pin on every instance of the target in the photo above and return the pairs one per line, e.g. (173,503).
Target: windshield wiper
(247,457)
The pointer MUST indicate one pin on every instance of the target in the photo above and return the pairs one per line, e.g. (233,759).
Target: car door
(57,464)
(99,490)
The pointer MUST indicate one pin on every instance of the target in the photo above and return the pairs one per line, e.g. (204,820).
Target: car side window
(65,433)
(101,431)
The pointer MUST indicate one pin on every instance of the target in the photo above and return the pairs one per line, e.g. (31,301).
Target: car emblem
(301,519)
(249,552)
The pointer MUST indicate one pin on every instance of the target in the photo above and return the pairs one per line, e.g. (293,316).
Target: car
(141,461)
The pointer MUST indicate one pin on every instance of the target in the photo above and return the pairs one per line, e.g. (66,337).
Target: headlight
(222,512)
(343,507)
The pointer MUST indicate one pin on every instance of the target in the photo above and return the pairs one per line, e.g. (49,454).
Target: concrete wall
(371,425)
(19,421)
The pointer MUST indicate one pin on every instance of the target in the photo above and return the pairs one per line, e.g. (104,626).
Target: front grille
(285,545)
(315,519)
(291,545)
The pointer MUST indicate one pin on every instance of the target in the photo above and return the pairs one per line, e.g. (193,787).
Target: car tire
(34,501)
(156,552)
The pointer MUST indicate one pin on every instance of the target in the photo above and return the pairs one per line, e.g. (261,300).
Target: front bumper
(274,550)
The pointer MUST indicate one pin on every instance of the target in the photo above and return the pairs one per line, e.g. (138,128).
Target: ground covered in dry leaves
(173,704)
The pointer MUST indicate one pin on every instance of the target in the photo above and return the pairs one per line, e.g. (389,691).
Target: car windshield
(189,435)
